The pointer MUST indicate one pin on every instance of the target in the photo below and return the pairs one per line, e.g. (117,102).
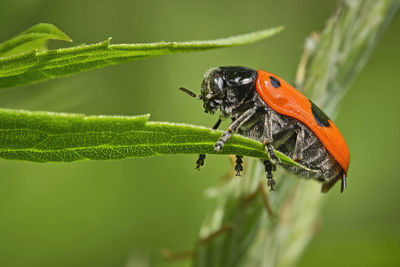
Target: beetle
(266,108)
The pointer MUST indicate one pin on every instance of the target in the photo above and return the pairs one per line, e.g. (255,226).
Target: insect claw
(270,180)
(238,166)
(271,184)
(200,161)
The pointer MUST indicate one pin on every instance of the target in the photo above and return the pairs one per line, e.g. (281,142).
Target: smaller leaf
(39,66)
(35,37)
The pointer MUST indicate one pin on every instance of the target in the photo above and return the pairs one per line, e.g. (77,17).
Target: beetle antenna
(187,91)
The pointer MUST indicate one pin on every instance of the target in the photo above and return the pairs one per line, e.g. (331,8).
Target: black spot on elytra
(320,117)
(275,82)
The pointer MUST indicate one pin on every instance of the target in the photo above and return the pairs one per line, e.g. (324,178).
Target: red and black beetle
(264,107)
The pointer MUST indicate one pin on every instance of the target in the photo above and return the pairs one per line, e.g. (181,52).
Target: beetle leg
(200,161)
(268,137)
(268,169)
(234,127)
(268,128)
(202,157)
(298,147)
(270,149)
(238,165)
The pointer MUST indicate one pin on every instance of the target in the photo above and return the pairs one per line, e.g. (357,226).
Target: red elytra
(287,100)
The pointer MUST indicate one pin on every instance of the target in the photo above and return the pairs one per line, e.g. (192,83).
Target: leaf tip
(253,37)
(272,31)
(50,29)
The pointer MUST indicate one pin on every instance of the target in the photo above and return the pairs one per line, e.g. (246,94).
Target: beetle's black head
(226,85)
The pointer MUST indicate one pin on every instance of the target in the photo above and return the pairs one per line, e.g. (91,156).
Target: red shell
(286,100)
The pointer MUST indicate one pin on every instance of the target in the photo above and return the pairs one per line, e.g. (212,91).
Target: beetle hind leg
(269,167)
(298,147)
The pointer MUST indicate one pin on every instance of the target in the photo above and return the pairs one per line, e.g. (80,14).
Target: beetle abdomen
(284,132)
(315,157)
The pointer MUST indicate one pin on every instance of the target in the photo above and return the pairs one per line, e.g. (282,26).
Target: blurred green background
(121,213)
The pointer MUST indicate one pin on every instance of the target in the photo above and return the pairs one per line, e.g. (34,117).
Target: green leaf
(45,65)
(58,137)
(35,37)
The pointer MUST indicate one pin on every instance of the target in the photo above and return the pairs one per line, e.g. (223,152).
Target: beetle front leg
(298,147)
(234,127)
(202,157)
